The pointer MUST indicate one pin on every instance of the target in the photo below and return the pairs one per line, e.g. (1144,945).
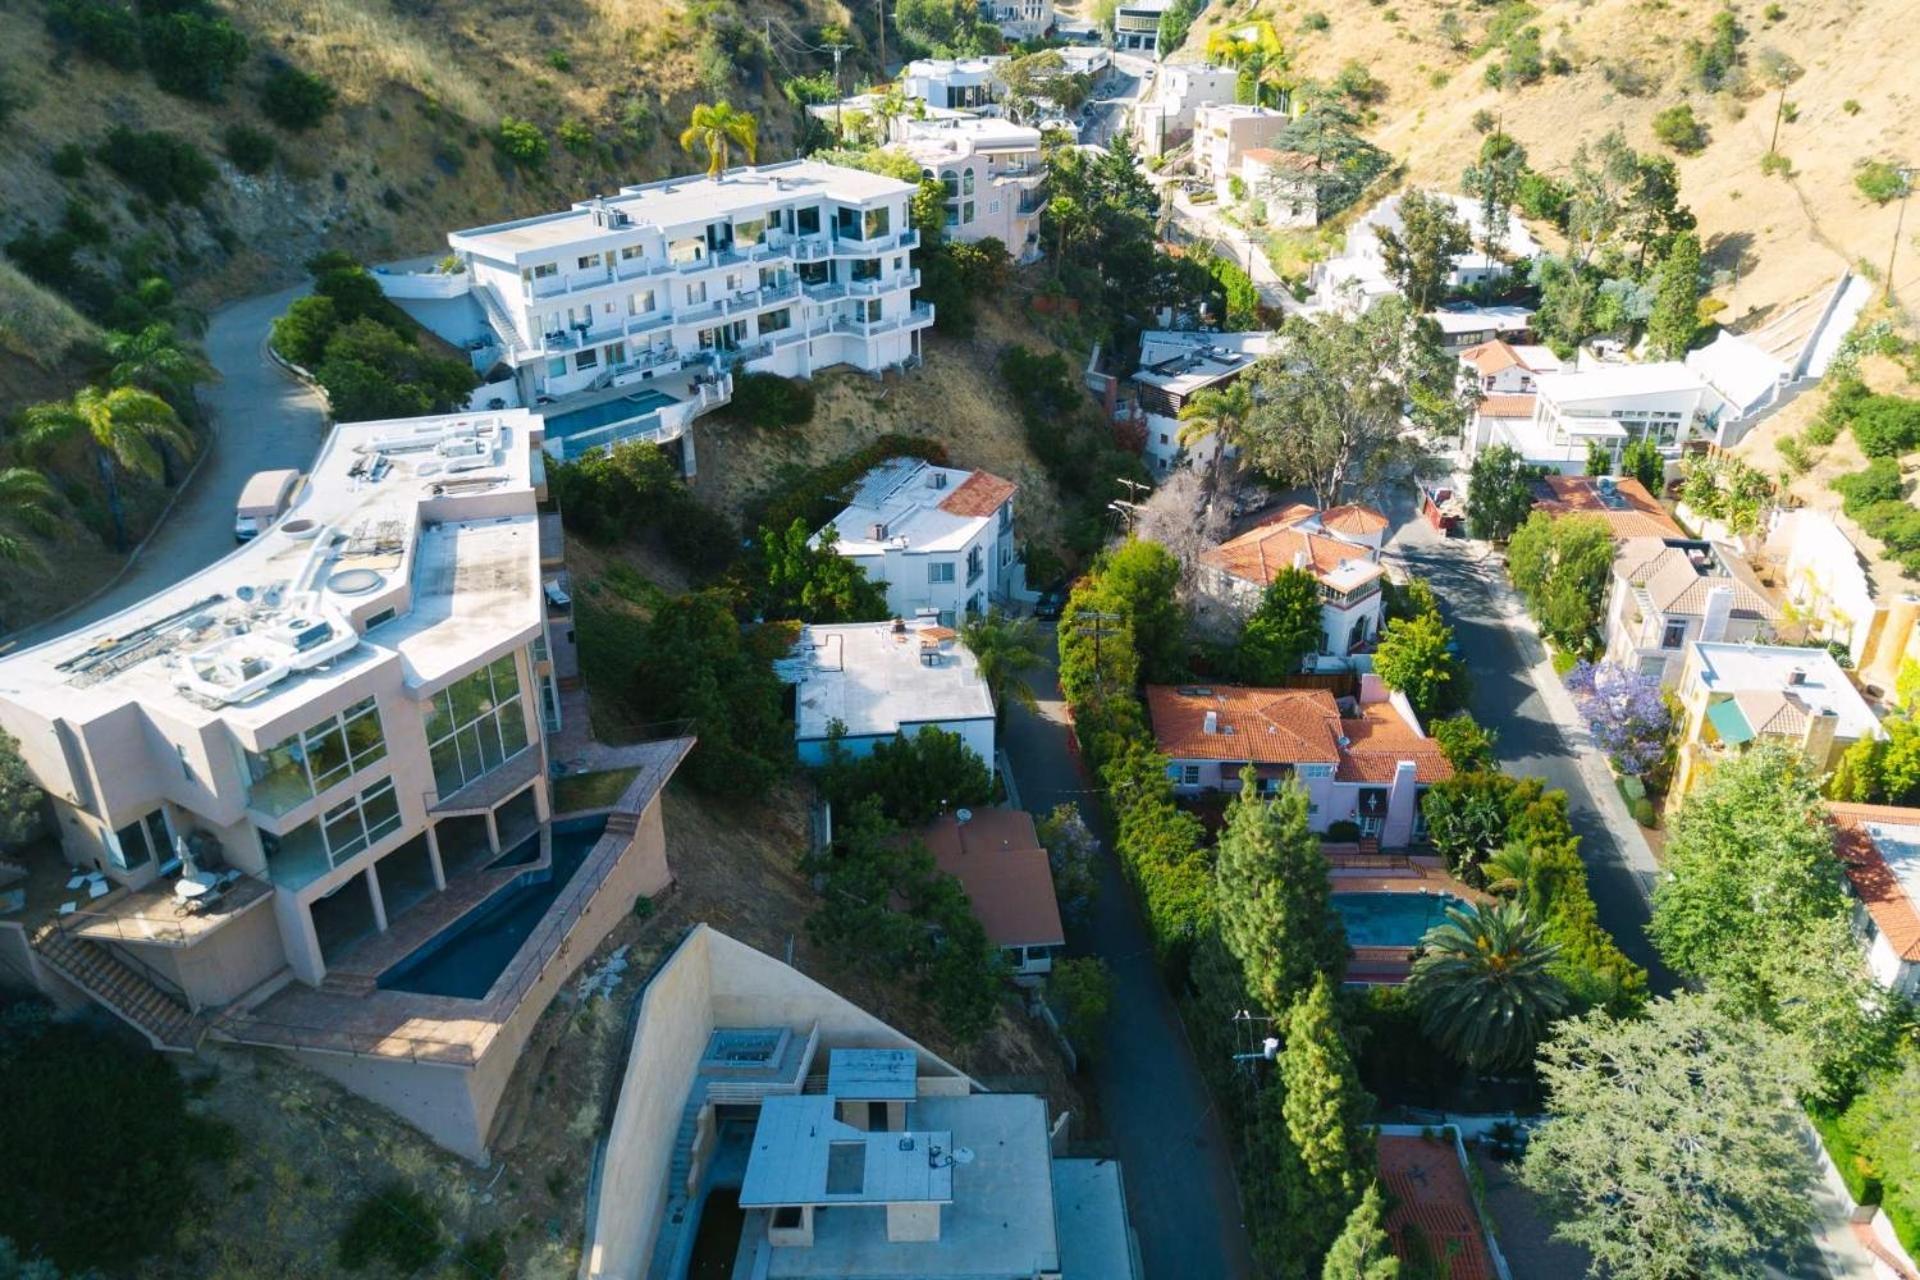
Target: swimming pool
(466,957)
(1391,919)
(638,405)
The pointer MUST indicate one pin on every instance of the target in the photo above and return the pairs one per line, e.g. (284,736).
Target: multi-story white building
(294,774)
(1612,404)
(940,538)
(650,298)
(1165,118)
(1357,277)
(871,682)
(1669,592)
(1136,25)
(1224,132)
(1019,19)
(993,175)
(1175,366)
(972,84)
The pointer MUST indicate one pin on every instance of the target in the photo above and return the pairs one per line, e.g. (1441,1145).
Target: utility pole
(839,91)
(1899,221)
(1096,625)
(882,6)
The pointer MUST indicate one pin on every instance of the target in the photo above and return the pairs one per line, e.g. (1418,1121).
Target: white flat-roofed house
(940,538)
(1175,366)
(1612,404)
(652,296)
(1734,693)
(1363,761)
(1669,592)
(1136,25)
(1165,118)
(1462,326)
(1357,277)
(971,84)
(1224,132)
(871,682)
(993,176)
(1019,19)
(1340,547)
(268,765)
(866,1156)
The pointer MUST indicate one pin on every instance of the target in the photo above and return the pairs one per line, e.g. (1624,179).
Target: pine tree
(1676,310)
(1364,1251)
(1275,908)
(1326,1113)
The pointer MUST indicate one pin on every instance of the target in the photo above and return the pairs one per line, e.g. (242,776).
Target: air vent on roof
(877,531)
(936,479)
(1797,676)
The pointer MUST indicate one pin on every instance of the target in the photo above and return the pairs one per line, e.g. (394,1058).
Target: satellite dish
(962,1155)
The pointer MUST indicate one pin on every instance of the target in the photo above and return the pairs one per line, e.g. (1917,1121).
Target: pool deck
(1354,872)
(349,1014)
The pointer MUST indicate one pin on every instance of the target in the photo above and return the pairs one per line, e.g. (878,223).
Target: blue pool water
(1391,919)
(637,405)
(467,956)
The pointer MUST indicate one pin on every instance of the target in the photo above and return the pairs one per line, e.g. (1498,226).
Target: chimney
(1211,724)
(1817,742)
(1300,559)
(1719,611)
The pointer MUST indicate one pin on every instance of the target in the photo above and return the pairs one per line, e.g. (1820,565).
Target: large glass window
(752,231)
(328,840)
(293,771)
(475,725)
(806,221)
(142,841)
(877,222)
(775,321)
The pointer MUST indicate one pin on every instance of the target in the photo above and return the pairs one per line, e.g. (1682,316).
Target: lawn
(582,791)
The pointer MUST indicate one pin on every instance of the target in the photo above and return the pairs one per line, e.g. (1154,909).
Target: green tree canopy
(1642,460)
(1138,582)
(1327,1113)
(1563,565)
(1419,254)
(1363,1250)
(815,583)
(1274,899)
(717,128)
(1672,1142)
(1499,493)
(1413,658)
(1006,648)
(1485,985)
(913,779)
(1676,310)
(1467,746)
(1282,630)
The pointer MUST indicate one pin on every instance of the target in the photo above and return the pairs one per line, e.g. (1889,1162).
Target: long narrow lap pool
(1391,919)
(466,957)
(606,413)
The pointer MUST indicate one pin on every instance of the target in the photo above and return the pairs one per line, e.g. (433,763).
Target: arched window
(951,181)
(967,182)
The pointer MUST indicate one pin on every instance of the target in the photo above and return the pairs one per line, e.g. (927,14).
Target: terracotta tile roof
(1771,711)
(997,858)
(1874,882)
(1353,518)
(1492,357)
(1430,1194)
(1674,584)
(1292,513)
(1507,405)
(1378,740)
(1289,727)
(980,494)
(1632,511)
(1273,545)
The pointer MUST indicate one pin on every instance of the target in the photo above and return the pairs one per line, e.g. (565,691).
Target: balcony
(918,317)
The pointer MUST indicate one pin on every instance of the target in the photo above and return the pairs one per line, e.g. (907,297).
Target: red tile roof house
(1880,847)
(996,856)
(1368,763)
(1340,547)
(1425,1175)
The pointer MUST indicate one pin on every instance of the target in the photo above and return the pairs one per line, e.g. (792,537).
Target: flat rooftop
(803,1155)
(998,1219)
(910,505)
(1501,319)
(872,1075)
(1181,363)
(1667,377)
(955,134)
(431,517)
(1809,679)
(1090,1212)
(874,680)
(683,202)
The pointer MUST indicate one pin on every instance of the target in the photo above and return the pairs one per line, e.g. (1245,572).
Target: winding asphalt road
(1174,1155)
(264,419)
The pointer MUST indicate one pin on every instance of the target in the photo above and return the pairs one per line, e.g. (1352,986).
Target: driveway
(1512,689)
(262,418)
(1174,1154)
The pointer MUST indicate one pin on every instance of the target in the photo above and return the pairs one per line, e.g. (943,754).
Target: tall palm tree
(1220,412)
(27,499)
(1483,985)
(122,428)
(1254,49)
(716,128)
(153,359)
(1006,649)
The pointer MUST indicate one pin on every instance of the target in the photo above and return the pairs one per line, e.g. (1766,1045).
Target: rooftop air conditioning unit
(1797,676)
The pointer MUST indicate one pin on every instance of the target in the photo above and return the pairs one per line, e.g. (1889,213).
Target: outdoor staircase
(349,984)
(501,323)
(122,989)
(622,824)
(680,1167)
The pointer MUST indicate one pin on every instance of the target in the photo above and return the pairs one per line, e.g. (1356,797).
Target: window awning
(1727,721)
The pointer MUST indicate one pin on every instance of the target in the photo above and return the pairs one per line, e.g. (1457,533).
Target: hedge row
(816,496)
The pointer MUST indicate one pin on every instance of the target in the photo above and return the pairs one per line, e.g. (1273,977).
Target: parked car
(1052,602)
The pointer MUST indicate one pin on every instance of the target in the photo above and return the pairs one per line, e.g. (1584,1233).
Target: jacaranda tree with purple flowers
(1625,712)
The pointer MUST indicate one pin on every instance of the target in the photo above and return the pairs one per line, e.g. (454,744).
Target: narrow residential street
(1508,664)
(263,419)
(1174,1154)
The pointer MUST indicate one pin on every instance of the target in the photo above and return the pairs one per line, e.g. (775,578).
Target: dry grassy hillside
(1777,239)
(406,154)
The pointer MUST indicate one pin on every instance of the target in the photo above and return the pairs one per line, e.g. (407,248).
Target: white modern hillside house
(971,84)
(1019,19)
(294,787)
(1224,132)
(1612,404)
(1165,119)
(631,311)
(1175,366)
(993,175)
(1357,278)
(1136,25)
(940,538)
